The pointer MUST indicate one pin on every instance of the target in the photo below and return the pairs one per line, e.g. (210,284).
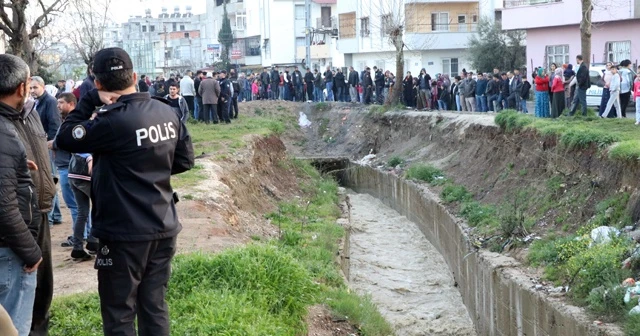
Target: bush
(584,137)
(424,173)
(511,120)
(455,193)
(547,251)
(626,150)
(632,326)
(608,302)
(394,161)
(477,214)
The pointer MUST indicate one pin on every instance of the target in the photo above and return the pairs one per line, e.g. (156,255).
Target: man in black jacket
(275,83)
(224,99)
(198,105)
(296,80)
(367,84)
(328,82)
(340,84)
(308,80)
(264,78)
(379,81)
(233,104)
(582,77)
(142,84)
(20,254)
(318,87)
(137,144)
(504,92)
(354,80)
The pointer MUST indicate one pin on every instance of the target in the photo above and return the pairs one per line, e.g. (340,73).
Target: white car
(594,93)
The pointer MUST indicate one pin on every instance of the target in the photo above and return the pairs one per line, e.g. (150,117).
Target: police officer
(224,98)
(137,144)
(233,104)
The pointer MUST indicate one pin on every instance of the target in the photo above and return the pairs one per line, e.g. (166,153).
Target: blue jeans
(458,106)
(17,290)
(67,194)
(523,106)
(196,109)
(580,97)
(318,95)
(442,105)
(330,91)
(481,103)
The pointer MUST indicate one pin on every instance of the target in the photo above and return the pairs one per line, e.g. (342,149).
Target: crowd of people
(112,150)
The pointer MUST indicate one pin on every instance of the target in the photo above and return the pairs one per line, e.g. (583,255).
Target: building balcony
(318,51)
(529,14)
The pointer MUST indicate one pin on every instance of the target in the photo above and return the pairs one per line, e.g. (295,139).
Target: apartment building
(553,29)
(436,33)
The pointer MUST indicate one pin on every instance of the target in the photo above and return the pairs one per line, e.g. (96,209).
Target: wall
(418,16)
(538,39)
(566,12)
(499,298)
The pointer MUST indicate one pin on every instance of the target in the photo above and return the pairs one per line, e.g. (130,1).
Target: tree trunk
(585,31)
(22,47)
(396,92)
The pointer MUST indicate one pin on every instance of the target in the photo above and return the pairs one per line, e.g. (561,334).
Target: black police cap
(111,59)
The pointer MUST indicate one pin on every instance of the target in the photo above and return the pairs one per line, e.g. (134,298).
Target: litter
(303,121)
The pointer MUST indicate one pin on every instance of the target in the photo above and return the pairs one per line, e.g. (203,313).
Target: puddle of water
(407,278)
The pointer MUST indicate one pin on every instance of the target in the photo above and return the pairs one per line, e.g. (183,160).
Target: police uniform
(224,99)
(137,144)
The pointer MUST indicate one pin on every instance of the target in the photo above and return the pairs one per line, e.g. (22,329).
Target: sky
(121,9)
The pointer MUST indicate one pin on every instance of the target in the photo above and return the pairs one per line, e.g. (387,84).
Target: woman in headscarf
(542,93)
(552,72)
(569,85)
(557,89)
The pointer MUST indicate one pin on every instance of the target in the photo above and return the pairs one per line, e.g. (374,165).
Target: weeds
(395,161)
(322,106)
(455,193)
(424,173)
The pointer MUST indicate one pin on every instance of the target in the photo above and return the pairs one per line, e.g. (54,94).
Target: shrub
(477,214)
(547,251)
(455,193)
(511,120)
(632,326)
(394,161)
(322,106)
(608,302)
(584,137)
(424,173)
(626,150)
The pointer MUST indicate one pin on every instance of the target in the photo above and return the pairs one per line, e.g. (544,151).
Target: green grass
(189,178)
(581,132)
(394,161)
(455,193)
(424,173)
(263,288)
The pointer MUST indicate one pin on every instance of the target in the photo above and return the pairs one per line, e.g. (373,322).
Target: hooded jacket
(19,208)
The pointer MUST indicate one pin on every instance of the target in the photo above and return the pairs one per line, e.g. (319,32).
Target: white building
(272,32)
(436,33)
(164,44)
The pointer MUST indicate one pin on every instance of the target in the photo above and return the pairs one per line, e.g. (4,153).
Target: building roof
(326,2)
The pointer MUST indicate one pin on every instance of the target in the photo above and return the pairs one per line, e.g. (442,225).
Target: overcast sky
(122,9)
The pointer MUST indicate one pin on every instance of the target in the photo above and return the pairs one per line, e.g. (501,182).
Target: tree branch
(43,20)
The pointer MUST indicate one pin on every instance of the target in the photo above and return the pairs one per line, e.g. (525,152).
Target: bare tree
(14,23)
(89,19)
(390,18)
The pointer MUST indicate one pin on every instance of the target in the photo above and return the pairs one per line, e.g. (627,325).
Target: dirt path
(407,278)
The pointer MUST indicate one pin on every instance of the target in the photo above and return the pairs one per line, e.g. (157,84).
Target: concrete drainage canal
(413,258)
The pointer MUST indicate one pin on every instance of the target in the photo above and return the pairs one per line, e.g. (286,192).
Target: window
(241,21)
(144,29)
(462,23)
(450,66)
(385,24)
(186,35)
(175,26)
(347,25)
(618,51)
(364,27)
(439,21)
(181,27)
(300,15)
(301,42)
(558,54)
(152,28)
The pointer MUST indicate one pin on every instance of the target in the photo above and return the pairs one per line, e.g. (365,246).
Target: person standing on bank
(187,89)
(225,97)
(137,143)
(26,124)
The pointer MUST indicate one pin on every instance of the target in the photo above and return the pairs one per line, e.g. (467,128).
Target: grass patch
(580,132)
(322,106)
(189,178)
(424,173)
(455,193)
(381,109)
(264,288)
(395,161)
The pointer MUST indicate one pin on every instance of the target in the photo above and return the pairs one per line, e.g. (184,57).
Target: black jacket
(47,107)
(19,203)
(317,82)
(296,78)
(379,79)
(308,78)
(582,77)
(275,77)
(367,81)
(504,87)
(354,79)
(264,78)
(339,80)
(196,85)
(225,90)
(524,91)
(142,86)
(236,86)
(137,144)
(328,76)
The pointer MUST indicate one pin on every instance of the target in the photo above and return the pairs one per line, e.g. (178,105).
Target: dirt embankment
(563,185)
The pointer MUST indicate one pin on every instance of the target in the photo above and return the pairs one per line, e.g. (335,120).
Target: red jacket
(558,85)
(542,83)
(636,90)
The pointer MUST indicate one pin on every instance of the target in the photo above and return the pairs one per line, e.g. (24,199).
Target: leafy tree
(493,48)
(225,37)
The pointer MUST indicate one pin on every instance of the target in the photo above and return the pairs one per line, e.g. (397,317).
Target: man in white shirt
(188,90)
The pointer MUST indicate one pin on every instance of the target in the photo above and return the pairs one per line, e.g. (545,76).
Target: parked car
(594,93)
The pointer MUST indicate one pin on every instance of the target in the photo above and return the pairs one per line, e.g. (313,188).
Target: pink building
(553,29)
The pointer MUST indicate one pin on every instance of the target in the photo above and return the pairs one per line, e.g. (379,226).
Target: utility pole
(307,24)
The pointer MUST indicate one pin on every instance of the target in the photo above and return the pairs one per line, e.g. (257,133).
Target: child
(636,97)
(614,98)
(443,97)
(254,90)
